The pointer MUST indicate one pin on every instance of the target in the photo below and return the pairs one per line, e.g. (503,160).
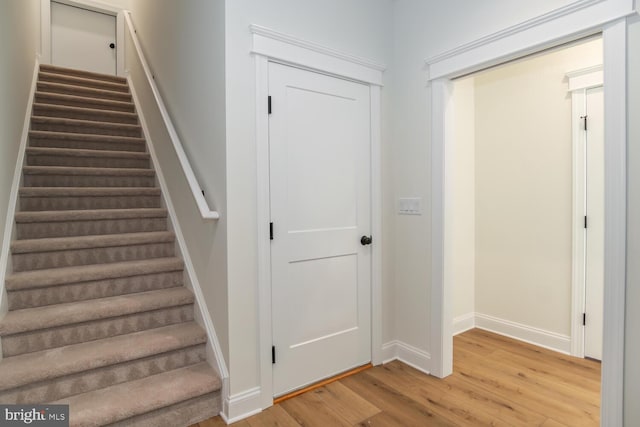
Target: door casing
(45,28)
(272,46)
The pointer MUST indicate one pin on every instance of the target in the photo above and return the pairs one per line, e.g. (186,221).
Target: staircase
(98,315)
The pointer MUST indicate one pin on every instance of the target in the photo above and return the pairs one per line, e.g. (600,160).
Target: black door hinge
(584,121)
(584,319)
(269,103)
(585,221)
(273,354)
(270,231)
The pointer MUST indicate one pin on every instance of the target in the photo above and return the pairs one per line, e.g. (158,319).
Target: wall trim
(241,405)
(202,312)
(577,19)
(408,354)
(270,46)
(296,51)
(529,334)
(608,17)
(93,5)
(464,323)
(12,207)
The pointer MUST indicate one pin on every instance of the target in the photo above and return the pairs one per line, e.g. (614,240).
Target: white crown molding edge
(13,194)
(289,49)
(189,268)
(514,29)
(316,47)
(581,16)
(585,78)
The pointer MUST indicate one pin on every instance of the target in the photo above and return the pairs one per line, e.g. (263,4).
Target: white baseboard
(241,405)
(464,323)
(529,334)
(412,356)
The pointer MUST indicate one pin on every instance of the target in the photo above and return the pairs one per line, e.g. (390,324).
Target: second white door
(320,159)
(83,39)
(594,236)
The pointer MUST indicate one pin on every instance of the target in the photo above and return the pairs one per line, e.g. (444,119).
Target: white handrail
(196,190)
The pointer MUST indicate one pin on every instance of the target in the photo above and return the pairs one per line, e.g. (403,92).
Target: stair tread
(83,81)
(78,122)
(88,191)
(44,134)
(81,152)
(126,400)
(85,273)
(27,368)
(72,71)
(80,98)
(88,242)
(85,110)
(95,93)
(31,319)
(89,214)
(82,170)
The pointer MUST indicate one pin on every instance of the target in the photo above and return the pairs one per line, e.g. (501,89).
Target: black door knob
(112,45)
(365,240)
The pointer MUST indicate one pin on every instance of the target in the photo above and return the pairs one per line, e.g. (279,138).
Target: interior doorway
(511,261)
(83,39)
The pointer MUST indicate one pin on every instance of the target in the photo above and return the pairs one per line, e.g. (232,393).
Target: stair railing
(205,211)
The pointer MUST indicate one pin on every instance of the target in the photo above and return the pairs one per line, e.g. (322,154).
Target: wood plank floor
(497,381)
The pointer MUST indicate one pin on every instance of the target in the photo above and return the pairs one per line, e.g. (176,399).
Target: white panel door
(594,262)
(319,135)
(82,39)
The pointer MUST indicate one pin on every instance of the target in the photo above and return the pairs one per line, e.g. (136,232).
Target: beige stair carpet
(99,317)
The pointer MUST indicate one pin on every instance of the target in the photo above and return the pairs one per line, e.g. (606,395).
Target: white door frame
(579,82)
(272,46)
(577,19)
(96,6)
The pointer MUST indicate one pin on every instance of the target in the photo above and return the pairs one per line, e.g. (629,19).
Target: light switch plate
(410,206)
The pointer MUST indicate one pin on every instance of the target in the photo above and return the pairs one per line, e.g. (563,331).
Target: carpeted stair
(98,316)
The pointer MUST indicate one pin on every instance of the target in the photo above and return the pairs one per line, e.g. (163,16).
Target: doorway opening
(518,164)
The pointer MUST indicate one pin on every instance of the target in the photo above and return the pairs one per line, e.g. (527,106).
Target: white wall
(462,223)
(19,43)
(524,188)
(422,29)
(358,27)
(632,343)
(184,45)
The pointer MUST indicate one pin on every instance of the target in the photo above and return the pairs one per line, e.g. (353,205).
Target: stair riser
(84,115)
(88,181)
(87,82)
(88,202)
(29,342)
(89,256)
(87,145)
(92,290)
(104,129)
(81,73)
(81,91)
(97,104)
(82,382)
(185,413)
(41,230)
